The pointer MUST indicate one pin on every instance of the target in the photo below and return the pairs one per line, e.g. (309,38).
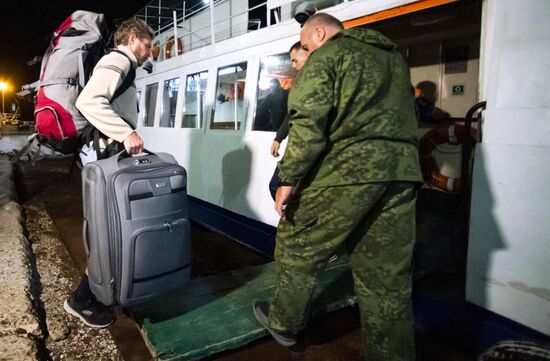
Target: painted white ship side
(509,248)
(231,168)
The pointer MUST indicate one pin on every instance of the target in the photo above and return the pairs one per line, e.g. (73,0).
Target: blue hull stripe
(254,234)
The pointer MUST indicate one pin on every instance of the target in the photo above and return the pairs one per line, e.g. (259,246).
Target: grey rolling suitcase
(136,227)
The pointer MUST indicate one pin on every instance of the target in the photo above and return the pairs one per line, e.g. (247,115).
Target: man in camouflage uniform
(351,170)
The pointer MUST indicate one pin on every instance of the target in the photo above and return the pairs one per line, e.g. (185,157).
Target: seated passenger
(272,109)
(425,104)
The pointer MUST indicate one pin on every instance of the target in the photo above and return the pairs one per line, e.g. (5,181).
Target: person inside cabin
(350,176)
(425,96)
(272,109)
(117,120)
(298,57)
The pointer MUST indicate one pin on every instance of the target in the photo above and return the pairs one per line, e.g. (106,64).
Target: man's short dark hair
(325,19)
(296,46)
(136,26)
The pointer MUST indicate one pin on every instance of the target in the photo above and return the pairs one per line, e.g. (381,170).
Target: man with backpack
(114,115)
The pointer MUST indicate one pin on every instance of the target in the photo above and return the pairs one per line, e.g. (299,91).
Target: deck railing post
(212,36)
(146,6)
(175,16)
(159,10)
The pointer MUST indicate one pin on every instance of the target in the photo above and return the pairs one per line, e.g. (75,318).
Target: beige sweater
(93,101)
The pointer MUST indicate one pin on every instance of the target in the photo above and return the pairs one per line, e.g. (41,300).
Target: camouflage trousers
(375,222)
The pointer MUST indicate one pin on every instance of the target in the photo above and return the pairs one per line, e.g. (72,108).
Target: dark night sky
(26,24)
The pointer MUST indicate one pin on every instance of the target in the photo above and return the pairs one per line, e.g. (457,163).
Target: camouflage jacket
(352,115)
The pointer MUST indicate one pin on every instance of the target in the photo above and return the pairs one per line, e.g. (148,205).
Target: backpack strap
(27,150)
(128,79)
(92,135)
(75,163)
(89,55)
(82,76)
(69,81)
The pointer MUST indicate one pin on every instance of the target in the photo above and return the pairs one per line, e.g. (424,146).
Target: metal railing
(196,27)
(193,31)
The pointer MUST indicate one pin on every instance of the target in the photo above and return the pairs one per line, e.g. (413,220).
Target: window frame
(254,107)
(160,102)
(206,105)
(246,96)
(156,109)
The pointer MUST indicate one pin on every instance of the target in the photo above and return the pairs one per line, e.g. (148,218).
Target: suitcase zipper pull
(168,226)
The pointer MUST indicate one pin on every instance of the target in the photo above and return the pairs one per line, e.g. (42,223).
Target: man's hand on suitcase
(133,144)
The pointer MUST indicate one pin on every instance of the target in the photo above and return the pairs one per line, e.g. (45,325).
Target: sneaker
(93,313)
(261,311)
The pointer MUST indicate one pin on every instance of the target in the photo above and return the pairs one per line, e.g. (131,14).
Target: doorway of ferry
(440,40)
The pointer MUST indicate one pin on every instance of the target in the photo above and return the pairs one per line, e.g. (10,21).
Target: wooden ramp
(213,314)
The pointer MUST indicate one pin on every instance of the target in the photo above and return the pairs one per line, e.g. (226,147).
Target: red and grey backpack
(75,48)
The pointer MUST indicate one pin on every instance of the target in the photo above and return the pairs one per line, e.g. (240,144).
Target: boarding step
(214,313)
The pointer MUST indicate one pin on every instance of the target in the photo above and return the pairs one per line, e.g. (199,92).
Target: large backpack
(76,46)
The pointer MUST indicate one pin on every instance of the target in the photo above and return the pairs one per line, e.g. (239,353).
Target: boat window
(229,103)
(150,102)
(195,89)
(275,79)
(169,100)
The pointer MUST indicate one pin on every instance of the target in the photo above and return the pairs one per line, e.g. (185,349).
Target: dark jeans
(274,183)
